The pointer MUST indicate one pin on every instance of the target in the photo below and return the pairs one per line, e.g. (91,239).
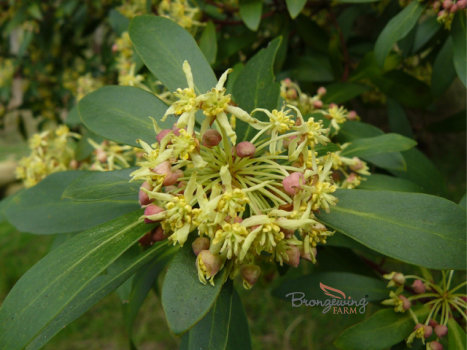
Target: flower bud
(447,4)
(311,256)
(293,183)
(318,104)
(199,244)
(462,4)
(406,304)
(293,252)
(74,164)
(434,345)
(453,8)
(146,240)
(152,209)
(427,330)
(208,264)
(322,91)
(163,168)
(245,149)
(292,94)
(352,115)
(172,177)
(441,330)
(418,287)
(357,165)
(114,48)
(176,129)
(158,234)
(143,196)
(162,134)
(433,323)
(101,156)
(399,278)
(211,138)
(250,274)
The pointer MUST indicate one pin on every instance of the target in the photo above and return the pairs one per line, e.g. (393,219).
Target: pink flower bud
(418,287)
(146,240)
(211,138)
(172,177)
(462,4)
(212,262)
(245,149)
(199,244)
(358,164)
(433,323)
(447,4)
(163,168)
(453,8)
(287,81)
(176,130)
(158,234)
(162,134)
(436,5)
(151,209)
(441,330)
(101,156)
(351,178)
(143,196)
(434,345)
(318,104)
(352,115)
(293,183)
(292,94)
(237,219)
(287,233)
(322,91)
(74,164)
(250,273)
(406,304)
(293,252)
(114,48)
(441,13)
(309,256)
(399,278)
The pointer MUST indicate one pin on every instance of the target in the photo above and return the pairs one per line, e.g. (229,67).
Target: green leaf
(380,331)
(122,114)
(225,327)
(57,282)
(295,7)
(102,185)
(388,183)
(314,67)
(413,227)
(459,40)
(118,22)
(424,32)
(41,209)
(398,121)
(378,144)
(456,335)
(397,28)
(185,299)
(462,202)
(255,86)
(353,285)
(343,92)
(208,42)
(72,119)
(250,13)
(163,46)
(443,69)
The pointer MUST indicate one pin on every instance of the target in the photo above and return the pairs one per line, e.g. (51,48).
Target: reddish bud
(250,273)
(158,234)
(292,94)
(143,196)
(199,244)
(358,164)
(441,330)
(146,240)
(293,183)
(406,304)
(151,209)
(318,104)
(309,256)
(433,323)
(447,4)
(245,149)
(322,91)
(163,168)
(293,252)
(101,156)
(172,177)
(462,4)
(434,345)
(352,115)
(176,130)
(211,138)
(453,8)
(212,262)
(114,48)
(74,164)
(418,287)
(162,134)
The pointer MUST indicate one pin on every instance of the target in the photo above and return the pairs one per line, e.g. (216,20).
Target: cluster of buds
(181,12)
(109,155)
(443,300)
(132,8)
(243,202)
(51,151)
(86,84)
(447,9)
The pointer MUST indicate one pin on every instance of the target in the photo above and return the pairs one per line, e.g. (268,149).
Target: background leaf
(250,13)
(295,7)
(343,92)
(55,282)
(443,69)
(398,121)
(457,338)
(459,39)
(163,46)
(208,42)
(378,144)
(388,183)
(41,209)
(416,228)
(397,28)
(122,114)
(185,299)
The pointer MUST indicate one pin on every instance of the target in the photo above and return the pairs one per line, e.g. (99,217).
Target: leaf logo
(328,291)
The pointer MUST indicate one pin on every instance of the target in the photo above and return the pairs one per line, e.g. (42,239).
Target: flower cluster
(246,201)
(181,12)
(442,299)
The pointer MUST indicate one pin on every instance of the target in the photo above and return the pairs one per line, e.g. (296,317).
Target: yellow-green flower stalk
(249,201)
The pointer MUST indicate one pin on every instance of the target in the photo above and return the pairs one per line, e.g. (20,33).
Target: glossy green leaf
(462,202)
(41,209)
(378,144)
(315,67)
(163,46)
(295,7)
(351,284)
(122,114)
(208,42)
(185,299)
(343,92)
(225,327)
(397,28)
(72,119)
(57,282)
(388,183)
(250,13)
(379,331)
(457,339)
(459,40)
(413,227)
(398,121)
(443,69)
(425,31)
(118,22)
(102,185)
(255,86)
